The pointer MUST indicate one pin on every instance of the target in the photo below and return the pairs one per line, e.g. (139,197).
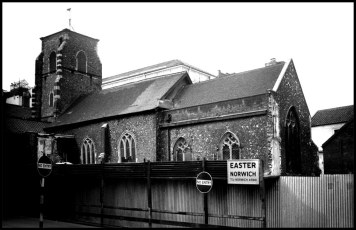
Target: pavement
(30,222)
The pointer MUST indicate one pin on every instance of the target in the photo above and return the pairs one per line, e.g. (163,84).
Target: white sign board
(243,171)
(44,166)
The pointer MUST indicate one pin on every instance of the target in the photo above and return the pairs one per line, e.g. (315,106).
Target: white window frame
(131,138)
(88,143)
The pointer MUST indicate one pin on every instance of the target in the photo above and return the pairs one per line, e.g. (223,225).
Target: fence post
(149,197)
(41,202)
(206,213)
(102,196)
(263,195)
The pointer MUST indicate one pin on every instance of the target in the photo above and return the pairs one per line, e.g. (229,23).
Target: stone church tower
(67,68)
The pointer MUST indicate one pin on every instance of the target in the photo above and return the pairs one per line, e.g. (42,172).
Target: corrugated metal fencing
(316,202)
(325,201)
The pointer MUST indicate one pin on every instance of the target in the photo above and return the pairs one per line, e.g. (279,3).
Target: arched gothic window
(88,155)
(52,62)
(127,148)
(292,142)
(181,151)
(51,99)
(81,62)
(229,147)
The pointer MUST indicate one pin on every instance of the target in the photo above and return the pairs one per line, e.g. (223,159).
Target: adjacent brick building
(260,113)
(339,153)
(325,123)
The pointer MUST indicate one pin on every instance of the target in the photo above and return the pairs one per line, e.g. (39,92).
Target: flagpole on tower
(70,25)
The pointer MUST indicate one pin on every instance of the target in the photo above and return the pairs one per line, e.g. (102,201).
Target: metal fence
(320,202)
(117,195)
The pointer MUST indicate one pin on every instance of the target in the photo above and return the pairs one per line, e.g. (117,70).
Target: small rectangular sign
(44,166)
(204,182)
(243,171)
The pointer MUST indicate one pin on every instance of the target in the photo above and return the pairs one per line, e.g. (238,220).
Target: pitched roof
(68,31)
(333,116)
(18,120)
(155,67)
(240,85)
(126,99)
(17,111)
(350,123)
(16,125)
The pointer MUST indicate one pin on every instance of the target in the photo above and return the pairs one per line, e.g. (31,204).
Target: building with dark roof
(325,123)
(19,157)
(339,152)
(339,115)
(256,114)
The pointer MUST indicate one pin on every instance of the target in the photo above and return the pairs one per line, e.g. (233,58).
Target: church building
(256,114)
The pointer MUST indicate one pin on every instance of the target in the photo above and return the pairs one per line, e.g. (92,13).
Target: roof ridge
(265,67)
(335,108)
(111,77)
(171,63)
(144,80)
(186,63)
(235,74)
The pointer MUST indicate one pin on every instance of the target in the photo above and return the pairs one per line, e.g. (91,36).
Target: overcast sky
(231,37)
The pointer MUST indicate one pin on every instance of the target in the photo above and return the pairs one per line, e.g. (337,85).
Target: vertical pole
(102,197)
(104,138)
(169,144)
(149,195)
(206,213)
(263,195)
(41,201)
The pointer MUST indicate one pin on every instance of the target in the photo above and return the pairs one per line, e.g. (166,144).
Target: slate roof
(239,85)
(120,100)
(17,111)
(18,120)
(155,67)
(333,116)
(16,125)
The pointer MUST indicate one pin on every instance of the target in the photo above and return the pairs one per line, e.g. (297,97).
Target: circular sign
(204,182)
(44,166)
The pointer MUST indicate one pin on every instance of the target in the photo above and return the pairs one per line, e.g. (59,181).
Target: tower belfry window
(52,62)
(51,99)
(81,62)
